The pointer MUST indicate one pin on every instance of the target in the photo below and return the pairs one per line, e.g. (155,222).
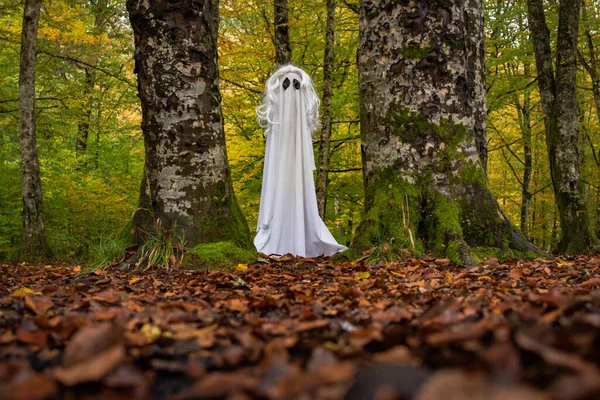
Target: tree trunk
(524,112)
(34,234)
(83,126)
(559,103)
(323,164)
(476,72)
(592,66)
(283,49)
(421,87)
(188,178)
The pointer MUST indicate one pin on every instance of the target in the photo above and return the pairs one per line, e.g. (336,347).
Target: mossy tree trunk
(34,233)
(558,92)
(422,94)
(188,184)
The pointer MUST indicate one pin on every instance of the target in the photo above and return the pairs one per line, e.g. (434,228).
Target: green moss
(218,255)
(481,222)
(392,216)
(231,227)
(409,126)
(416,52)
(453,252)
(471,174)
(481,253)
(444,223)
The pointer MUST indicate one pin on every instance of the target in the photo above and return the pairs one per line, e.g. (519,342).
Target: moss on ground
(481,253)
(218,255)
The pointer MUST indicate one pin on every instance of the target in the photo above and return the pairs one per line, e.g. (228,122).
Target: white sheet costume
(288,219)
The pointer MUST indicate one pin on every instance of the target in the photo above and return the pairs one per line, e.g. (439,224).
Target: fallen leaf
(363,275)
(135,280)
(92,369)
(24,291)
(241,267)
(151,332)
(38,304)
(516,273)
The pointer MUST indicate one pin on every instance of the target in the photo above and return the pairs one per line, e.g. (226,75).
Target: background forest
(91,149)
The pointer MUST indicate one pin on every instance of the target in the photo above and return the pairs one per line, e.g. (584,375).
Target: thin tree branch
(81,62)
(240,85)
(345,170)
(512,168)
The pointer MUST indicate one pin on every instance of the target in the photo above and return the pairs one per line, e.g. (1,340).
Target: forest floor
(304,329)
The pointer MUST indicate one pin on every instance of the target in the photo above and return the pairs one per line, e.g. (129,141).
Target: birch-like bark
(34,234)
(188,179)
(421,82)
(559,103)
(475,53)
(283,48)
(323,154)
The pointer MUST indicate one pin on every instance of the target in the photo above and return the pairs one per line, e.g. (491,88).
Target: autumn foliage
(304,329)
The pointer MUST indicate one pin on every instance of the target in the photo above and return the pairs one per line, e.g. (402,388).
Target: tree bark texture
(323,154)
(559,103)
(283,48)
(34,234)
(188,179)
(421,81)
(524,111)
(475,53)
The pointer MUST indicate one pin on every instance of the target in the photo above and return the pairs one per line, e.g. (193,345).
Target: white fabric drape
(288,220)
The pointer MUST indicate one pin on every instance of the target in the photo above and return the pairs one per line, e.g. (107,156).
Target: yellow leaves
(484,278)
(398,274)
(241,267)
(448,277)
(21,292)
(134,280)
(151,332)
(564,263)
(363,275)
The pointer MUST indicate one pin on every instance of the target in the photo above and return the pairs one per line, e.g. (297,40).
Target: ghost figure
(288,218)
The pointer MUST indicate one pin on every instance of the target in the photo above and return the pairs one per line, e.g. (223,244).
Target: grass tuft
(163,248)
(104,251)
